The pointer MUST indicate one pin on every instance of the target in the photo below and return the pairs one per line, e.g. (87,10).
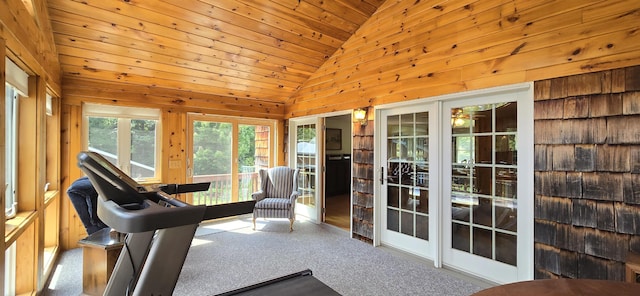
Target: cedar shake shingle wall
(587,174)
(363,180)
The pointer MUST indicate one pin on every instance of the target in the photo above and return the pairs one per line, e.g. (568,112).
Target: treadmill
(159,232)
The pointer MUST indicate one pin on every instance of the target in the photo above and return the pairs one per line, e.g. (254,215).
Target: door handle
(381,175)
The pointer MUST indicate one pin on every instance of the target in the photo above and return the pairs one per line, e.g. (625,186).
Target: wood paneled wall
(173,164)
(173,160)
(415,49)
(71,228)
(587,165)
(3,147)
(26,38)
(29,40)
(77,91)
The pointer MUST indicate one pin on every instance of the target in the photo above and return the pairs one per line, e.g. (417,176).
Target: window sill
(50,196)
(14,227)
(49,257)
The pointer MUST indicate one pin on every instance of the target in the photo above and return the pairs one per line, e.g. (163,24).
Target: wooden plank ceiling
(233,49)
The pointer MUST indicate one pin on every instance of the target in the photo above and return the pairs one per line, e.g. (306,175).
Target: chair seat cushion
(274,203)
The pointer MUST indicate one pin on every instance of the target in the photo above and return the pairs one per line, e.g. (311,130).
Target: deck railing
(220,190)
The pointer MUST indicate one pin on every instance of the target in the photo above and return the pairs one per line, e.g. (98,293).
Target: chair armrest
(293,197)
(258,195)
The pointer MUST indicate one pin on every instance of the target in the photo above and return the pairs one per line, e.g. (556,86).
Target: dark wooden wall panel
(587,205)
(363,181)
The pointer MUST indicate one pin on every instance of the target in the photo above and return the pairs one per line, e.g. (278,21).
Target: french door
(228,153)
(457,181)
(408,199)
(306,157)
(487,179)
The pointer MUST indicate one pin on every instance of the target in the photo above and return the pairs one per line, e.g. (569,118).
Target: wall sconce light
(360,115)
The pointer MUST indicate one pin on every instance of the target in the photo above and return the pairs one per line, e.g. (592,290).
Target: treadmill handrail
(122,205)
(148,217)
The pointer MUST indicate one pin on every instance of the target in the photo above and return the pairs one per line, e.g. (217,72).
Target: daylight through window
(128,137)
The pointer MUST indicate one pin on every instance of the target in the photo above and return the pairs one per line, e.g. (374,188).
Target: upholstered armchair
(277,195)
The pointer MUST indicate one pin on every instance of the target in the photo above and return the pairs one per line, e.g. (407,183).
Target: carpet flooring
(228,254)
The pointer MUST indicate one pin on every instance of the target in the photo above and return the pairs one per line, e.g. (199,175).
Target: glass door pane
(408,174)
(253,155)
(212,161)
(484,205)
(306,163)
(409,189)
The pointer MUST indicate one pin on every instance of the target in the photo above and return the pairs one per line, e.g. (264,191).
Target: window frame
(17,82)
(124,116)
(12,107)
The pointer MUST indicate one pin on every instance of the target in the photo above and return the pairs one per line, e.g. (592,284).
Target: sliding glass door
(228,153)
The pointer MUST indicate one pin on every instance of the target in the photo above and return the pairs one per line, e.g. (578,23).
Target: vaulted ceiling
(250,49)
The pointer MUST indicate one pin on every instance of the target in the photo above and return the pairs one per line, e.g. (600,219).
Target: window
(17,83)
(128,137)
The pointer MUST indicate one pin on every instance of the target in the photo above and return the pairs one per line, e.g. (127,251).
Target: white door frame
(525,173)
(420,247)
(487,268)
(312,213)
(315,215)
